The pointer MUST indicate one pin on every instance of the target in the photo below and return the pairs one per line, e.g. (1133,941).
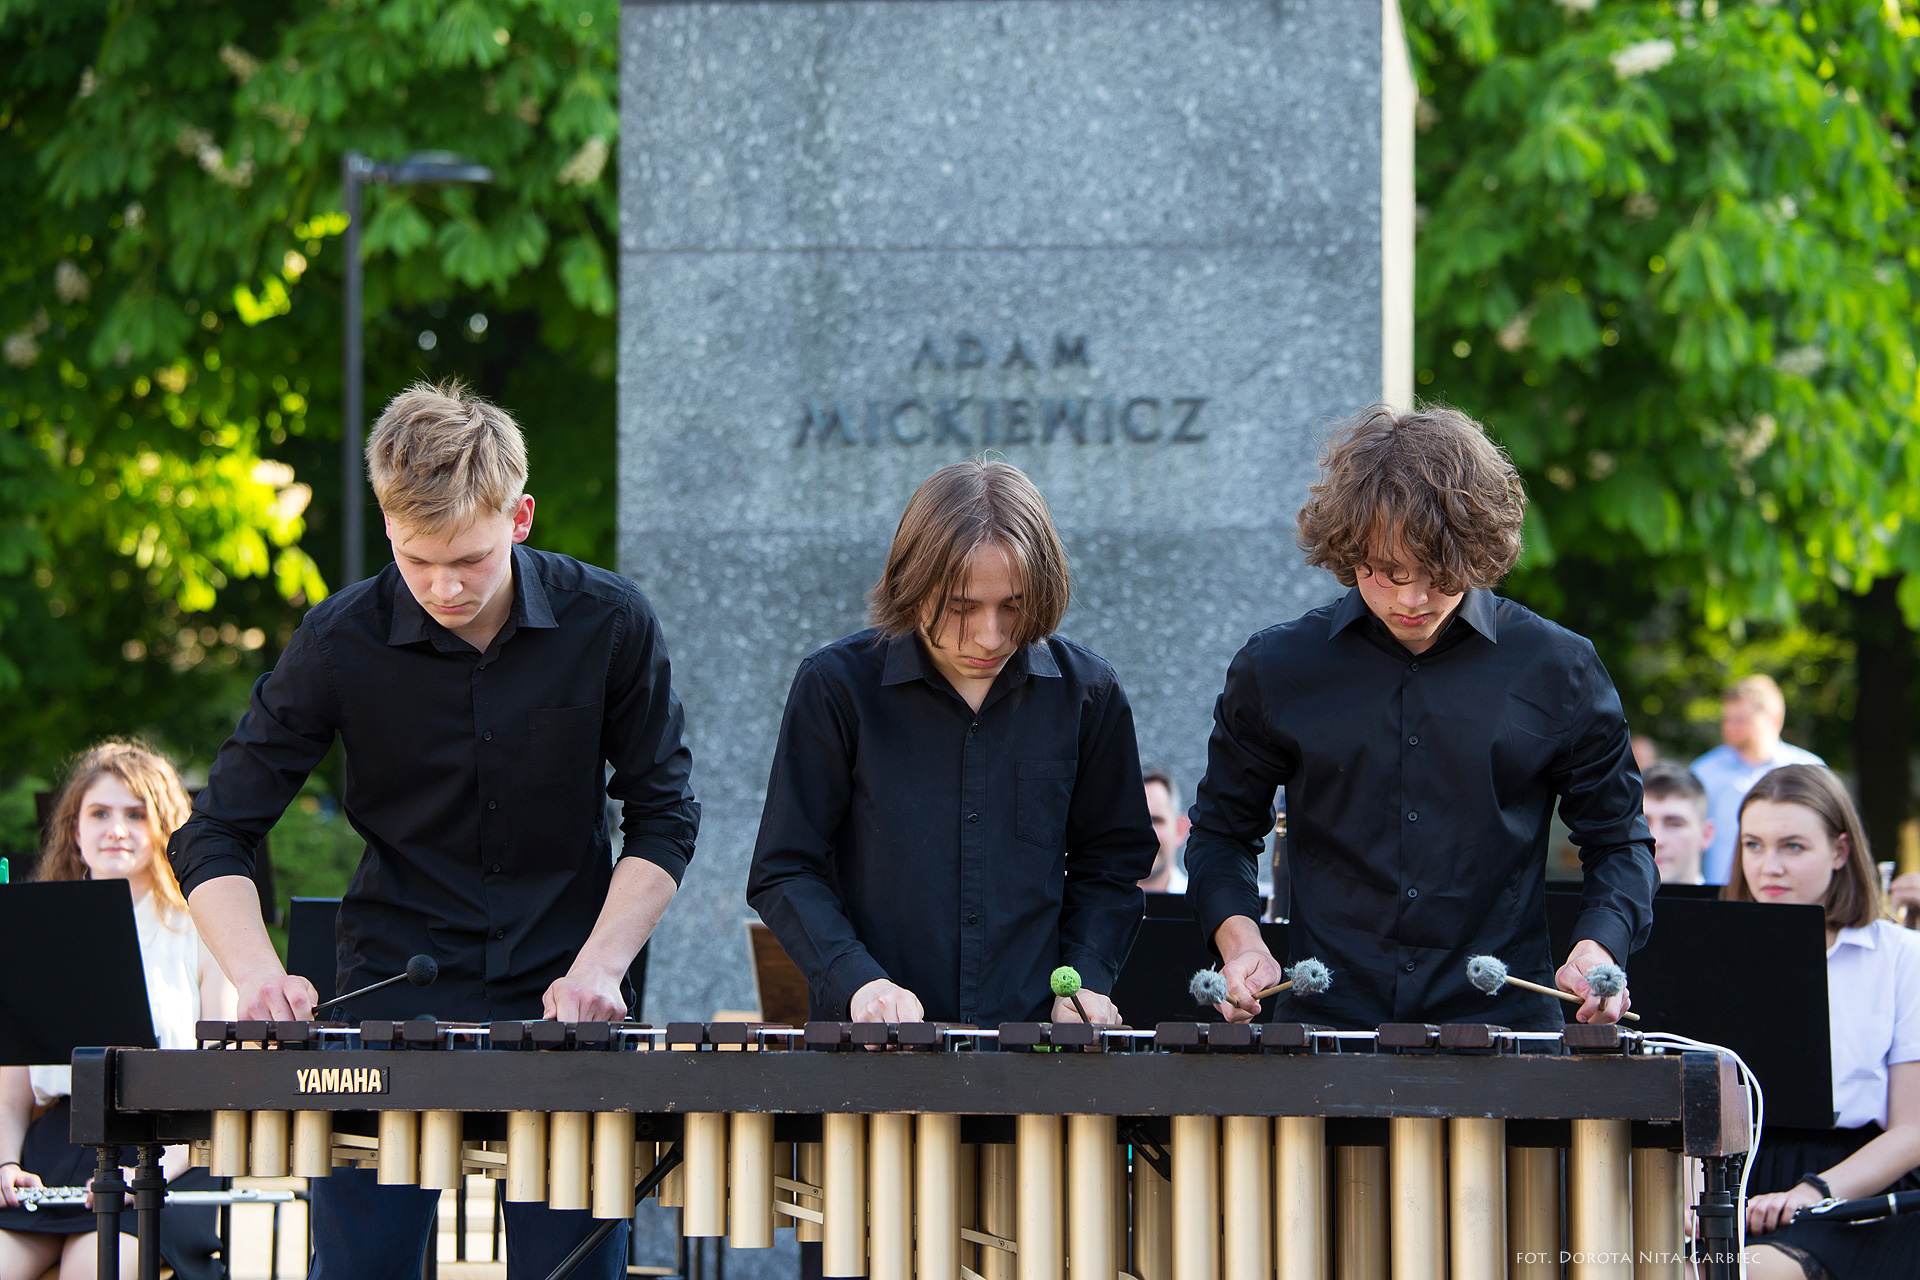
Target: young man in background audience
(1752,714)
(1676,809)
(1170,825)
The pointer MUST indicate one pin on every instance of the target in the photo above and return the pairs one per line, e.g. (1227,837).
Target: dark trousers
(364,1231)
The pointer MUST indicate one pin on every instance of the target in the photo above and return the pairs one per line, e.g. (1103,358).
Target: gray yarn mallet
(1309,977)
(1605,980)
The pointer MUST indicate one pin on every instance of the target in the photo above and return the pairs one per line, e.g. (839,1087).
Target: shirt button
(1409,966)
(481,667)
(1411,817)
(501,933)
(496,868)
(973,817)
(1413,893)
(1412,741)
(1413,666)
(493,804)
(973,919)
(487,736)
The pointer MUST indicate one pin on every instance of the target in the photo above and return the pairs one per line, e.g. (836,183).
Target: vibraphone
(1189,1152)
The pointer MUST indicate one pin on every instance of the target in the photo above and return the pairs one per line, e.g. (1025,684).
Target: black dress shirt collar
(908,659)
(1476,609)
(531,608)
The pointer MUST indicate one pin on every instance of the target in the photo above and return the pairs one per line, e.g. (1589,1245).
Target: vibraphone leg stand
(149,1194)
(582,1251)
(108,1187)
(1717,1215)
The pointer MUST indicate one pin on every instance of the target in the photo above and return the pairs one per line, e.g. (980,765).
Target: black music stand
(96,994)
(1748,975)
(1152,987)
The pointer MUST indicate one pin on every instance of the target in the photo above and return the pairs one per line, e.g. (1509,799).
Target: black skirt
(1883,1250)
(189,1234)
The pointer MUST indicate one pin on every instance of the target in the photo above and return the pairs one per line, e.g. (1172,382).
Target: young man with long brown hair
(1424,729)
(955,806)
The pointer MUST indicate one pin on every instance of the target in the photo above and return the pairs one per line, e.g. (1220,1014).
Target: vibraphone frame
(1691,1101)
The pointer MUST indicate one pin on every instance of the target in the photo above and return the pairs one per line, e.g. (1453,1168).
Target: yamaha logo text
(342,1080)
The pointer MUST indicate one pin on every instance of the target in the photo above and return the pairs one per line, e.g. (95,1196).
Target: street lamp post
(356,170)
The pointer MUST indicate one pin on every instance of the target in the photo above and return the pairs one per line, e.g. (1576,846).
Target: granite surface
(1133,245)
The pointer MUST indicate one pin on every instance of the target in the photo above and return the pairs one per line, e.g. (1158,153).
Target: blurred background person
(1905,894)
(1752,714)
(1676,807)
(111,820)
(1170,826)
(1645,751)
(1801,841)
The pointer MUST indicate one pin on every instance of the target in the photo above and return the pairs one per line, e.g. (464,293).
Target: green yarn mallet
(1066,985)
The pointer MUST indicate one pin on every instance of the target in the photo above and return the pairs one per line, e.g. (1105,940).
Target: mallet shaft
(1568,996)
(1273,990)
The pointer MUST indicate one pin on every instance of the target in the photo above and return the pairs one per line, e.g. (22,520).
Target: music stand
(1152,987)
(92,991)
(1748,975)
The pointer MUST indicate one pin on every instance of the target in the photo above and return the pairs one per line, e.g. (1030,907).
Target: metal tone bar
(1246,1146)
(1360,1213)
(1091,1142)
(267,1155)
(397,1163)
(1477,1198)
(614,1169)
(1042,1230)
(1300,1198)
(844,1195)
(1152,1221)
(999,1208)
(890,1194)
(807,1162)
(750,1163)
(312,1144)
(1196,1198)
(569,1159)
(229,1150)
(441,1166)
(1417,1217)
(1533,1213)
(1658,1215)
(936,1197)
(1600,1200)
(706,1188)
(526,1156)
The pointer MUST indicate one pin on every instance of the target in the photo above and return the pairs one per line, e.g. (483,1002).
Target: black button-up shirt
(1419,793)
(477,779)
(962,855)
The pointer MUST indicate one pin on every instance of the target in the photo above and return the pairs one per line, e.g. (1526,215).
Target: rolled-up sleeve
(643,738)
(792,882)
(1233,806)
(1110,846)
(287,730)
(1600,801)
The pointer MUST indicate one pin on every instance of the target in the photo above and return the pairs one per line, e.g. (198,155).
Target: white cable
(1756,1119)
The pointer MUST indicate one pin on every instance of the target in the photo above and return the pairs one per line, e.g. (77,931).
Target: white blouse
(1873,1008)
(171,953)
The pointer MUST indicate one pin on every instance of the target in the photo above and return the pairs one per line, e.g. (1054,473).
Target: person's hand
(884,1001)
(1572,979)
(275,997)
(1100,1010)
(14,1180)
(1771,1212)
(1249,967)
(126,1198)
(585,997)
(1906,898)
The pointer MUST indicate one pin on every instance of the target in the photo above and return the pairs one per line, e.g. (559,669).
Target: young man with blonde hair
(1753,711)
(478,689)
(1424,729)
(955,806)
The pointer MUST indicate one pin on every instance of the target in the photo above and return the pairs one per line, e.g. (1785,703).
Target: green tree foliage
(171,213)
(1667,252)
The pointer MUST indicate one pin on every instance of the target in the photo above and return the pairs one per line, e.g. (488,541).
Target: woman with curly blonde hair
(111,821)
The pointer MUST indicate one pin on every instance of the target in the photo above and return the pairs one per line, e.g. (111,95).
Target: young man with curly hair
(1424,729)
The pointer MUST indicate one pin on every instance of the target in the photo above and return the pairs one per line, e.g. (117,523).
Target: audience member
(1676,809)
(1752,713)
(1906,899)
(1170,827)
(1645,751)
(111,821)
(1801,841)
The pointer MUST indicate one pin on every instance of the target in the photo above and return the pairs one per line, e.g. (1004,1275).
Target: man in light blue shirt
(1752,714)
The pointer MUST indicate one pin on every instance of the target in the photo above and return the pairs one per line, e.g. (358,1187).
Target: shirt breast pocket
(564,750)
(1042,791)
